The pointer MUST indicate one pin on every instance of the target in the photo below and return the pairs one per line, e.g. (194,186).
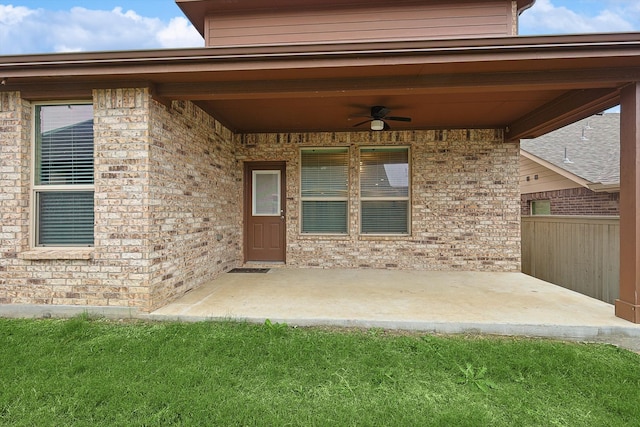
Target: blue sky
(37,26)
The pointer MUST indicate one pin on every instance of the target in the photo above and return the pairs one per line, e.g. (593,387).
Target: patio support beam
(562,111)
(259,88)
(628,305)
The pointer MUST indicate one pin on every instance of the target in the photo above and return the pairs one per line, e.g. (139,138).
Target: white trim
(254,174)
(323,199)
(35,189)
(406,198)
(598,187)
(303,198)
(384,199)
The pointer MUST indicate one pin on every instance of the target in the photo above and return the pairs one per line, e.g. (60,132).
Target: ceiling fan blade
(386,126)
(399,119)
(361,123)
(378,111)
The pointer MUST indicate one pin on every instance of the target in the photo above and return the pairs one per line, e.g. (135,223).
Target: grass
(83,372)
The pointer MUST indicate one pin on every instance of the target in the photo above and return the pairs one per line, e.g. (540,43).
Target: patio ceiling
(525,85)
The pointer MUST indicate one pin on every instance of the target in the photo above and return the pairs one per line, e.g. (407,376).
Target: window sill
(58,254)
(389,237)
(310,236)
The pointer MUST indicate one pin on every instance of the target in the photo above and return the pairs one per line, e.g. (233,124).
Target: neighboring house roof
(586,152)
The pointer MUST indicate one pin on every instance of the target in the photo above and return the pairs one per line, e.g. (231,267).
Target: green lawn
(97,372)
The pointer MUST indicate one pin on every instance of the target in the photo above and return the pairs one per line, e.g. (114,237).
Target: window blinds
(66,218)
(384,190)
(65,145)
(324,190)
(64,175)
(325,173)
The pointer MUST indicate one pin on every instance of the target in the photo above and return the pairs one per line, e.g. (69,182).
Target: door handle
(281,213)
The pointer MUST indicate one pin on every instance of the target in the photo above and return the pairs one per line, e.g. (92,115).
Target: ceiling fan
(378,116)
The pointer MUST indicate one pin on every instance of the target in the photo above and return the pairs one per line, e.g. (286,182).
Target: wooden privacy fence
(576,252)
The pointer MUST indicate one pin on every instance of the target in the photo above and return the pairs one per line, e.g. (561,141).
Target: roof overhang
(524,5)
(525,85)
(599,187)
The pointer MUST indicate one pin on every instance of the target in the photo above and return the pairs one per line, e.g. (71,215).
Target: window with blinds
(324,190)
(63,178)
(384,190)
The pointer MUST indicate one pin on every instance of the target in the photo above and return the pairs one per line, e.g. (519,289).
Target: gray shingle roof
(592,147)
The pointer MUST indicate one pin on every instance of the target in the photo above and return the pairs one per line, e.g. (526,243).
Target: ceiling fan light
(377,124)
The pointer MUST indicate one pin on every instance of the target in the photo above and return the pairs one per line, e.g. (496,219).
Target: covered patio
(174,128)
(431,301)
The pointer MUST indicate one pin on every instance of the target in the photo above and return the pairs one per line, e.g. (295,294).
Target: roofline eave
(599,187)
(360,54)
(563,172)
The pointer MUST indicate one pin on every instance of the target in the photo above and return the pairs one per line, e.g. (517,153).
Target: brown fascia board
(195,11)
(491,50)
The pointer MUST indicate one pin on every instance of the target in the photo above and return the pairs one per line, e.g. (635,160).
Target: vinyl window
(63,179)
(384,190)
(324,190)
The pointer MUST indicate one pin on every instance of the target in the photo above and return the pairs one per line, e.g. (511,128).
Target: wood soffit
(526,85)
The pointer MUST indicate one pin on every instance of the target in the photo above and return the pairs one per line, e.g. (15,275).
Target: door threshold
(267,264)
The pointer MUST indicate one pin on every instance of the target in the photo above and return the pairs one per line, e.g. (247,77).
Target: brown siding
(398,20)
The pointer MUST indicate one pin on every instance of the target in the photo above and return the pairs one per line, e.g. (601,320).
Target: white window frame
(52,188)
(324,199)
(406,198)
(254,195)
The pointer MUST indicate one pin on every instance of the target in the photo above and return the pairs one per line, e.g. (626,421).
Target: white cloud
(12,15)
(24,30)
(613,16)
(179,33)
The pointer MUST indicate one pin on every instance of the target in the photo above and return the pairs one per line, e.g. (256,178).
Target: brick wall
(168,204)
(121,145)
(114,272)
(195,206)
(16,283)
(465,210)
(574,201)
(159,175)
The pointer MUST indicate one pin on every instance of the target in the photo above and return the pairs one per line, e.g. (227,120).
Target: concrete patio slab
(438,302)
